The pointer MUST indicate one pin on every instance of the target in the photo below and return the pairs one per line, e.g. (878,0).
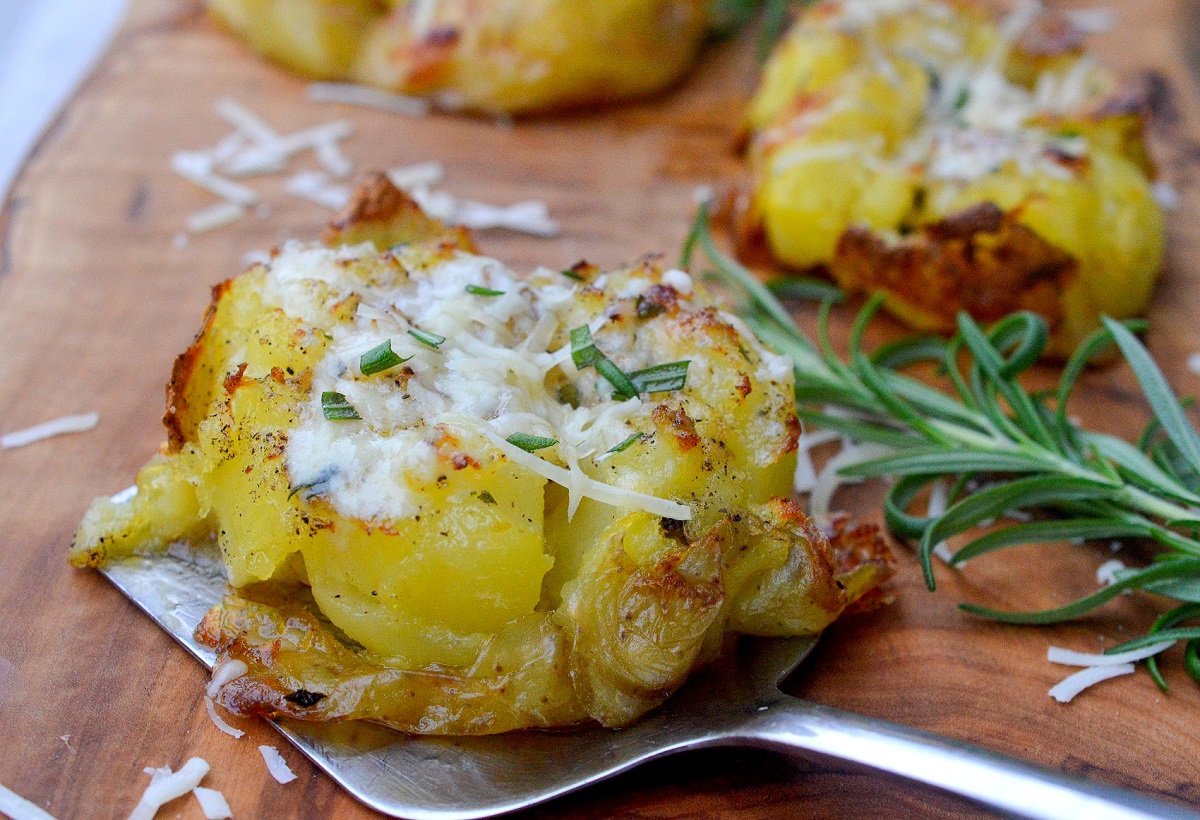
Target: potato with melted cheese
(455,499)
(924,151)
(490,56)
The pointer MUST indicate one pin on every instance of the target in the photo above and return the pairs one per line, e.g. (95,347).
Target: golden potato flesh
(503,500)
(881,130)
(491,56)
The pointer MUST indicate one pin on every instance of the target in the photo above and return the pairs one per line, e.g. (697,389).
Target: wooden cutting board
(96,300)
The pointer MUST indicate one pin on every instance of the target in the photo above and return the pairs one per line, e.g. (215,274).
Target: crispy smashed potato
(490,56)
(926,152)
(454,499)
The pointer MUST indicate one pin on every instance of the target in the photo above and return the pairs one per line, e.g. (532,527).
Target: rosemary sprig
(1001,447)
(728,17)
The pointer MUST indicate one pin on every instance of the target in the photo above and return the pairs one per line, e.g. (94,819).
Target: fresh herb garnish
(570,274)
(336,408)
(775,20)
(626,444)
(806,288)
(660,378)
(486,497)
(657,379)
(380,358)
(623,388)
(728,17)
(426,338)
(479,290)
(1015,449)
(530,443)
(963,97)
(583,347)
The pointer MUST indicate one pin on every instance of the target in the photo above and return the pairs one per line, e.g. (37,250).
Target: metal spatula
(734,702)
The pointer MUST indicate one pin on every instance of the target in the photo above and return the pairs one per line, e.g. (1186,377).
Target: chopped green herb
(487,498)
(583,347)
(380,358)
(657,379)
(964,97)
(479,290)
(426,338)
(336,408)
(530,443)
(570,274)
(805,287)
(661,378)
(623,387)
(626,444)
(302,487)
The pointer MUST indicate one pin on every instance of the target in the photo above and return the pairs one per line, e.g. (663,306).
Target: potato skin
(858,169)
(489,607)
(489,56)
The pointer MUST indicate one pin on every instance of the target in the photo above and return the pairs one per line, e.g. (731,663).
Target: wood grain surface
(95,301)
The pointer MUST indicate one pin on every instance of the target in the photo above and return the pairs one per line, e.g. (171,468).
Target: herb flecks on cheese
(438,520)
(496,360)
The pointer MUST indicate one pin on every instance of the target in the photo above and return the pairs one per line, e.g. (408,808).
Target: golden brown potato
(455,499)
(881,129)
(491,56)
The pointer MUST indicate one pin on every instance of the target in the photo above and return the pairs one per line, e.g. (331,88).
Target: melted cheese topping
(976,120)
(494,375)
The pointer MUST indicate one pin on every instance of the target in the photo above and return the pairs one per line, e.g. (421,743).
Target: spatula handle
(993,779)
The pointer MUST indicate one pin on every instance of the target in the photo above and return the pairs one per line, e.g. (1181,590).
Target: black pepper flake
(304,698)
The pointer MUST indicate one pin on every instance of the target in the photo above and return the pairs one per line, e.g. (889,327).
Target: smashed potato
(454,499)
(490,56)
(926,152)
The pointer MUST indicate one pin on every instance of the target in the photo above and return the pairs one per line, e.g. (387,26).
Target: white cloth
(47,48)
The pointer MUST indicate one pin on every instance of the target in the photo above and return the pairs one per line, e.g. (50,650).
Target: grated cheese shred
(81,423)
(166,786)
(366,97)
(18,808)
(1071,686)
(212,803)
(276,765)
(218,721)
(1068,657)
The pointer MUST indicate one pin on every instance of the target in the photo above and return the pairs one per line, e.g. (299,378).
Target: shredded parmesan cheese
(1096,20)
(276,765)
(806,473)
(125,496)
(166,786)
(1193,363)
(333,160)
(212,803)
(216,216)
(198,168)
(1068,657)
(829,479)
(18,808)
(56,427)
(218,721)
(367,97)
(248,124)
(1106,573)
(938,498)
(315,186)
(1165,195)
(576,482)
(420,175)
(1071,686)
(224,673)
